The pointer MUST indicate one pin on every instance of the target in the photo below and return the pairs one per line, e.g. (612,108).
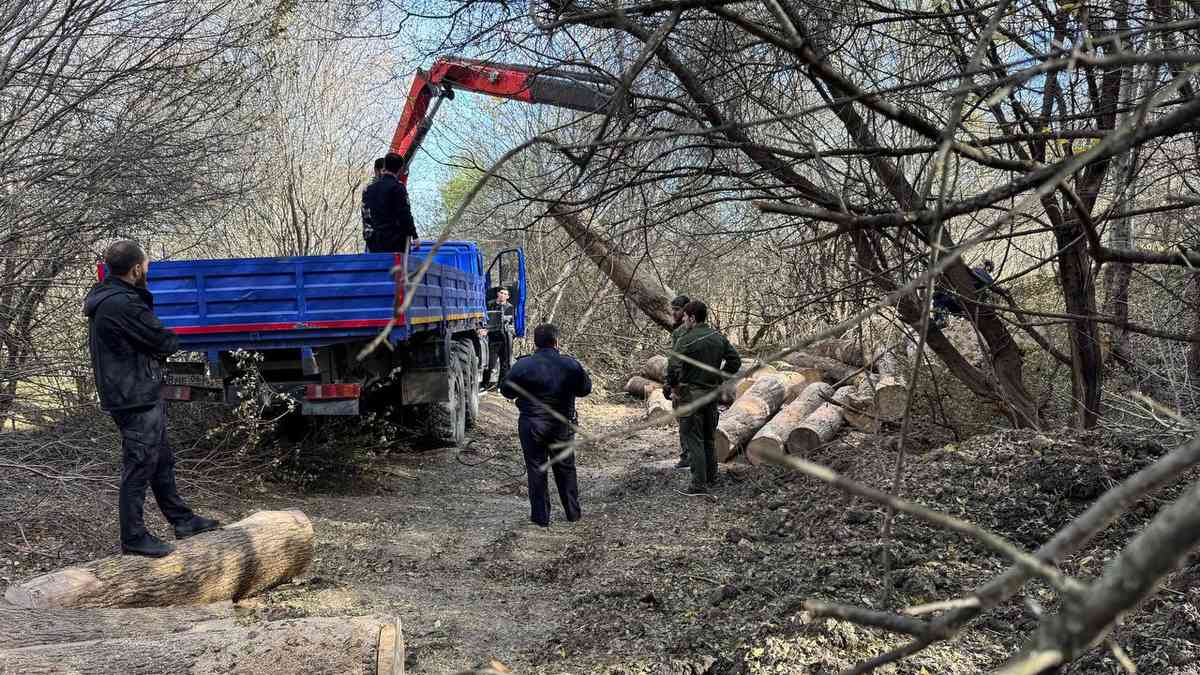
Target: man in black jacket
(386,214)
(545,385)
(500,338)
(127,344)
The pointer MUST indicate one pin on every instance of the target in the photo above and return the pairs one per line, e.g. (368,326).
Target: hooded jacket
(127,343)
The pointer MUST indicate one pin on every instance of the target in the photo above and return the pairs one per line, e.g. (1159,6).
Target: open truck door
(508,271)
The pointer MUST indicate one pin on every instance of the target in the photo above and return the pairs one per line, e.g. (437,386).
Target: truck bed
(313,301)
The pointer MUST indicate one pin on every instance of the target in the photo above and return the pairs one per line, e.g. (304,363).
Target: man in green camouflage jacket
(699,358)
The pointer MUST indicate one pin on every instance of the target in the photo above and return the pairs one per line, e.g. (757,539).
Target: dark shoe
(695,491)
(682,464)
(195,526)
(149,546)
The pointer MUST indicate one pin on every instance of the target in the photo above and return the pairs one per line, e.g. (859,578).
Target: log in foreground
(820,426)
(237,561)
(749,413)
(640,387)
(359,645)
(774,435)
(30,627)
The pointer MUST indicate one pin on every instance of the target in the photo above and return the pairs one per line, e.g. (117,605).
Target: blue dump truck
(311,317)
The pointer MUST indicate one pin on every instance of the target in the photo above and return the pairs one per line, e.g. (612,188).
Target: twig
(941,606)
(870,617)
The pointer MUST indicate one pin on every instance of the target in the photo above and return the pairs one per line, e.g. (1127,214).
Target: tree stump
(658,407)
(236,561)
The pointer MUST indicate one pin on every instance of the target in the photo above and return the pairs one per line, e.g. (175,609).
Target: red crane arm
(578,91)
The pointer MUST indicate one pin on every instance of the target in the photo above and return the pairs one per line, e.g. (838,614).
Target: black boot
(147,545)
(195,526)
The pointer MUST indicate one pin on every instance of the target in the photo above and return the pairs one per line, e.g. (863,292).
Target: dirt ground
(651,581)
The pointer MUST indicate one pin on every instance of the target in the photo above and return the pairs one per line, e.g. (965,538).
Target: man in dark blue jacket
(545,385)
(386,214)
(128,344)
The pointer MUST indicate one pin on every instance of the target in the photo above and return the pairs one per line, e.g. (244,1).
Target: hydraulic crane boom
(577,91)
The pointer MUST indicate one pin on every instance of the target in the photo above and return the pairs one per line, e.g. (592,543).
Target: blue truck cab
(316,321)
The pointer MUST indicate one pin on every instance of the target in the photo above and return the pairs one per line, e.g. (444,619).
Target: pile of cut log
(175,614)
(799,403)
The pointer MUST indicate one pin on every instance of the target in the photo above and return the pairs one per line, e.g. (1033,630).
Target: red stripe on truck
(267,327)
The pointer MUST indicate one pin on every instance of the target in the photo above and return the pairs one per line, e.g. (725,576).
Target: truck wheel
(447,422)
(470,362)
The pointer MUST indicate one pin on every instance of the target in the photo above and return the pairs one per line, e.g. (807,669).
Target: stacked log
(844,350)
(820,426)
(832,369)
(655,368)
(238,560)
(750,412)
(774,435)
(640,387)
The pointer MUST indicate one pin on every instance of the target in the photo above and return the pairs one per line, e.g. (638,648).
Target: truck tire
(470,361)
(447,422)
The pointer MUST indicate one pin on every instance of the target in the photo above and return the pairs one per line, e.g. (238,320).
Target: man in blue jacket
(128,344)
(545,385)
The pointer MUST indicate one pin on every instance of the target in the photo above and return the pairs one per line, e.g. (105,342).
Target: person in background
(694,370)
(545,385)
(500,338)
(386,214)
(679,328)
(127,344)
(378,169)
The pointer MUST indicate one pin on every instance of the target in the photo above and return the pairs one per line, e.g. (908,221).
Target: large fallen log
(21,627)
(820,426)
(641,387)
(655,368)
(832,369)
(237,561)
(634,277)
(774,435)
(749,413)
(360,645)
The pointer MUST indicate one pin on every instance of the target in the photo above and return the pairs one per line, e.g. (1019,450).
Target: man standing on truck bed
(127,344)
(386,214)
(500,337)
(694,370)
(545,385)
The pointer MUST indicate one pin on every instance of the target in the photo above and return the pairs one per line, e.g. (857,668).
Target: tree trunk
(31,627)
(641,387)
(749,413)
(1079,297)
(237,561)
(632,277)
(820,427)
(655,368)
(774,435)
(359,645)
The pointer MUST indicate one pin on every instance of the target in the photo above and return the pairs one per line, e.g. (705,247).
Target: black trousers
(536,439)
(147,459)
(499,351)
(698,432)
